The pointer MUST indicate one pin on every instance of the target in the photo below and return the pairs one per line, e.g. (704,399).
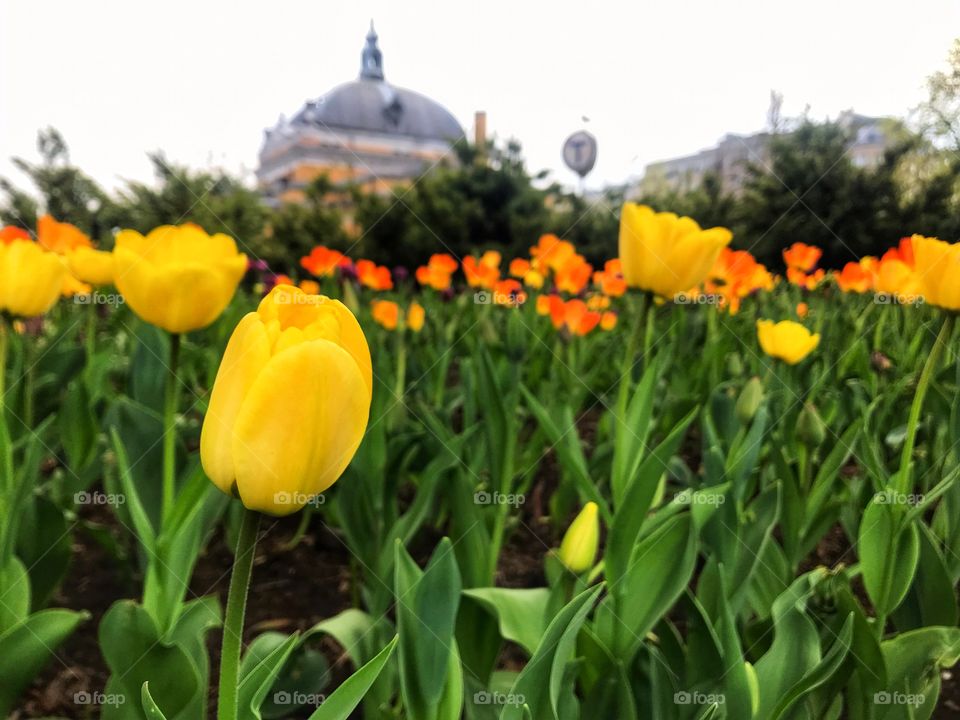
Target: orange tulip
(480,273)
(573,275)
(386,313)
(855,277)
(322,261)
(802,257)
(508,292)
(371,275)
(437,273)
(550,253)
(10,233)
(608,321)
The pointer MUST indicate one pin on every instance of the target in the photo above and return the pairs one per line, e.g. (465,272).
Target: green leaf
(427,602)
(27,648)
(132,647)
(520,612)
(14,593)
(820,674)
(914,660)
(660,569)
(889,553)
(539,683)
(149,706)
(632,512)
(631,434)
(345,698)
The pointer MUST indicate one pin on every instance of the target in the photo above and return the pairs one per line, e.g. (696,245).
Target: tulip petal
(246,355)
(299,426)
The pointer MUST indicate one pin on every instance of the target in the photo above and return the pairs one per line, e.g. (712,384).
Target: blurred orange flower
(509,292)
(386,313)
(10,233)
(573,275)
(610,279)
(371,275)
(310,287)
(483,273)
(322,261)
(551,253)
(437,272)
(801,256)
(608,321)
(856,277)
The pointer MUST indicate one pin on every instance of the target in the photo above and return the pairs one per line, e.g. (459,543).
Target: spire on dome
(371,66)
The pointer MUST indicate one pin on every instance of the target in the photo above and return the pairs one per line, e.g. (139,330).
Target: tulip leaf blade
(351,692)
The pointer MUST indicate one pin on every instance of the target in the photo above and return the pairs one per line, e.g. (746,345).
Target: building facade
(366,132)
(730,159)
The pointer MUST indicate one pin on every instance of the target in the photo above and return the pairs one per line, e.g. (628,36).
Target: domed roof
(376,106)
(371,104)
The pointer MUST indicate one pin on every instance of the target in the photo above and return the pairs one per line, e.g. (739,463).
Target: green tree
(64,191)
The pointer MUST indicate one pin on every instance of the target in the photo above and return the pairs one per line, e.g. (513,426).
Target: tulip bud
(749,401)
(810,427)
(579,546)
(274,442)
(734,364)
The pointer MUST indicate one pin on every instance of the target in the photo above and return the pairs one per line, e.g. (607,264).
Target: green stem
(90,337)
(929,369)
(29,383)
(626,370)
(171,397)
(233,621)
(4,342)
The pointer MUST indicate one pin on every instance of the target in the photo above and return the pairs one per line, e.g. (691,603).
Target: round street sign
(580,152)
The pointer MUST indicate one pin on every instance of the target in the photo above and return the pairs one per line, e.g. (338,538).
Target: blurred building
(730,158)
(367,132)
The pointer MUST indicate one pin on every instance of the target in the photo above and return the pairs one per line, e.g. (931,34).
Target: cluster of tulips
(460,380)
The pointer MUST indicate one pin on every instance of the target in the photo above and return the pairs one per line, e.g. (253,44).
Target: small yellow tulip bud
(749,401)
(579,546)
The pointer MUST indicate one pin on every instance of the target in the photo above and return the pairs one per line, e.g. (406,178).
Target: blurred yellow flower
(94,267)
(937,266)
(664,253)
(787,340)
(290,402)
(415,316)
(177,277)
(30,278)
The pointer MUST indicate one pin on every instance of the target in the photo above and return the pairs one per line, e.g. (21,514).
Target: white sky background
(200,79)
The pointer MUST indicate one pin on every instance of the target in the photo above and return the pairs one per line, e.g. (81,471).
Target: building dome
(373,105)
(366,132)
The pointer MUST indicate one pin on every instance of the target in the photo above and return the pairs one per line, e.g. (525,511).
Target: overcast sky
(200,79)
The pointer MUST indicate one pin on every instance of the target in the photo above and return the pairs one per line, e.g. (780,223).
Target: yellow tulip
(177,277)
(578,549)
(415,316)
(290,402)
(937,265)
(787,340)
(30,278)
(94,267)
(664,253)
